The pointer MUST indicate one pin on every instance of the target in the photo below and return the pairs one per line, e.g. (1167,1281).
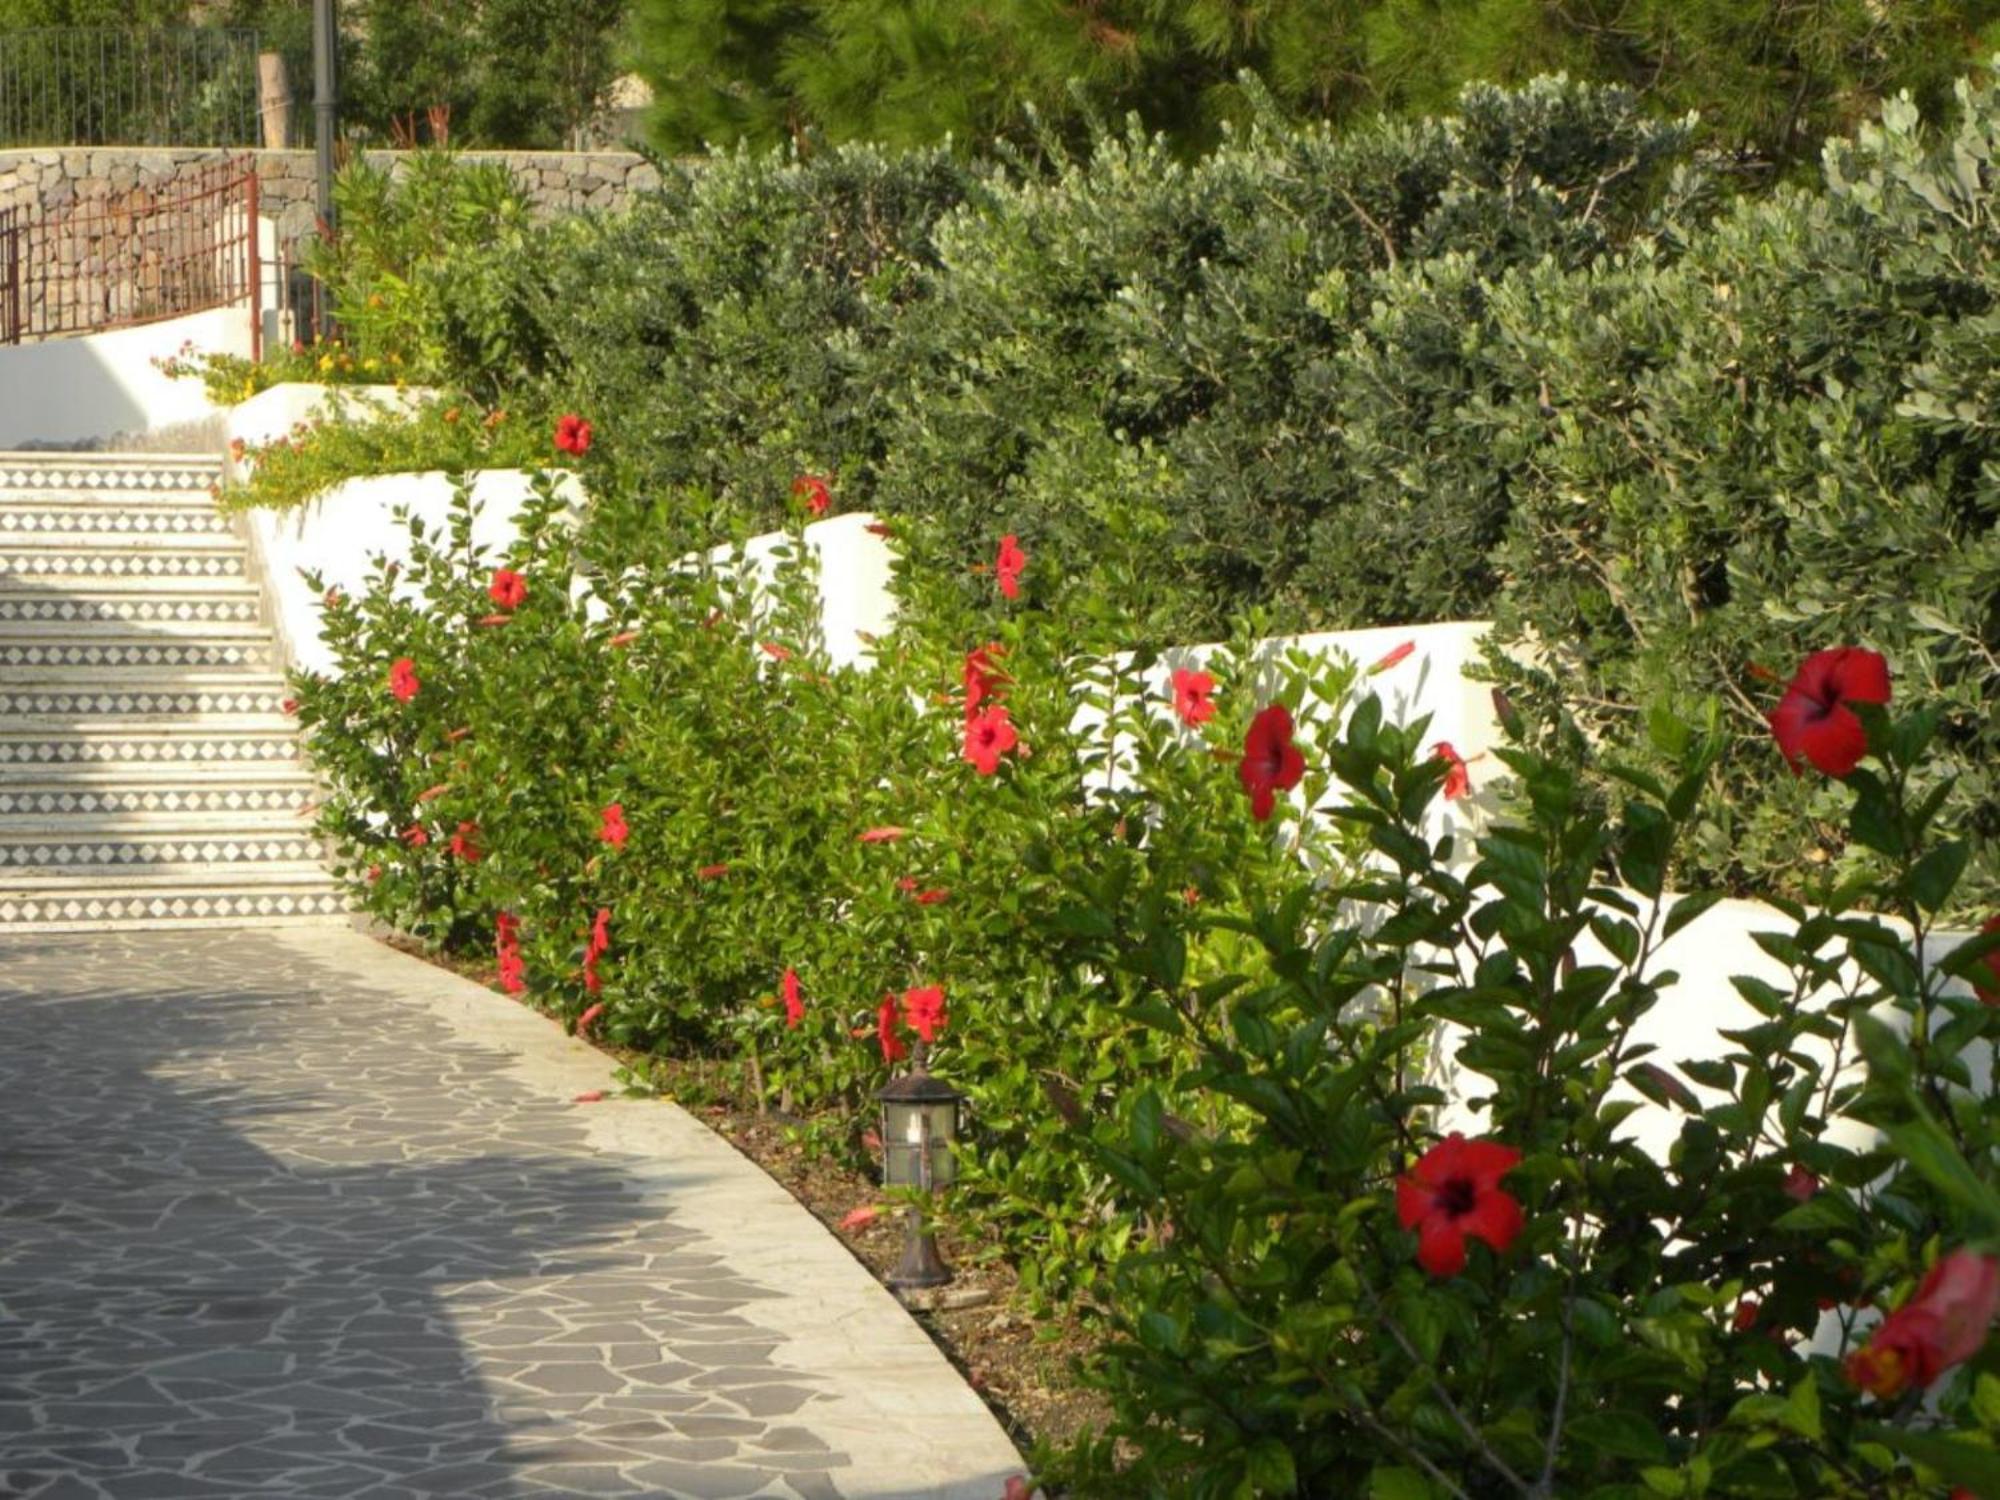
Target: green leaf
(1934,877)
(1398,1484)
(1978,1469)
(1687,908)
(1927,1149)
(1621,1434)
(1271,1469)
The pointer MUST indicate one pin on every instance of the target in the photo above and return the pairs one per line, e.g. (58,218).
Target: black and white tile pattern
(148,773)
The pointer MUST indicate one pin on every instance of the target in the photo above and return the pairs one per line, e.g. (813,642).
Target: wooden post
(256,261)
(274,101)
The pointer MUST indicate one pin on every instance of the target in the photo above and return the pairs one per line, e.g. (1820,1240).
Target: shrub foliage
(1526,363)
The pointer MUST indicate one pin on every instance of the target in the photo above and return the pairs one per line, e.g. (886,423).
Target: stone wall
(557,182)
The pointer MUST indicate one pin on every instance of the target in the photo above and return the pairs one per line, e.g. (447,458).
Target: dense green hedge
(1529,363)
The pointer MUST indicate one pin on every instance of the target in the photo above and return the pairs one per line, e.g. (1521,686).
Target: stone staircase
(148,775)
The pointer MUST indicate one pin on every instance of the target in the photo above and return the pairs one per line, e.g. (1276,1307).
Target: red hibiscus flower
(415,836)
(711,872)
(1800,1184)
(989,734)
(465,843)
(599,944)
(289,706)
(1989,993)
(1271,762)
(1390,657)
(885,1031)
(887,834)
(983,677)
(930,897)
(614,832)
(924,1009)
(795,1005)
(1745,1317)
(508,589)
(813,490)
(374,873)
(573,435)
(1457,780)
(1192,696)
(403,683)
(589,1018)
(1943,1325)
(1813,722)
(507,949)
(1009,565)
(1452,1194)
(774,651)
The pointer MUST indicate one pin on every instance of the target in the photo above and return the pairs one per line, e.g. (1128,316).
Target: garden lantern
(920,1119)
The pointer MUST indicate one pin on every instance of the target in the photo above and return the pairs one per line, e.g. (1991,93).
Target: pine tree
(1770,77)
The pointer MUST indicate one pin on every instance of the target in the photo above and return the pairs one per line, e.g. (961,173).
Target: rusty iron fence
(137,256)
(10,276)
(128,86)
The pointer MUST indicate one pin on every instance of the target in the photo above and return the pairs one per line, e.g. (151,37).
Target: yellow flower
(326,364)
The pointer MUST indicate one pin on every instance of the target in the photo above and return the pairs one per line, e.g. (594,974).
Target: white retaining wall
(341,533)
(99,384)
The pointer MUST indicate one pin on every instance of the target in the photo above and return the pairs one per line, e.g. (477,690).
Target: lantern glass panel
(906,1125)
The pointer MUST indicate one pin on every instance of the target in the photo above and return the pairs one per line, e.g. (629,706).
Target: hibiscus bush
(656,802)
(1454,1227)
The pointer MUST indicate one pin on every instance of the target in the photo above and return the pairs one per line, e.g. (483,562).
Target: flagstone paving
(287,1213)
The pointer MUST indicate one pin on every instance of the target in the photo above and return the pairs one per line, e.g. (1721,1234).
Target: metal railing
(10,276)
(114,86)
(135,257)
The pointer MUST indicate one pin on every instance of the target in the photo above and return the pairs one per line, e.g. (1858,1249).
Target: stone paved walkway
(291,1214)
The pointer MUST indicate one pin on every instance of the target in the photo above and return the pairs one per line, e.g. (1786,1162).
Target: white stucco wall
(99,384)
(341,533)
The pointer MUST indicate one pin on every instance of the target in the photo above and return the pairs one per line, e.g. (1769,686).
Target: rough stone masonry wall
(556,182)
(111,270)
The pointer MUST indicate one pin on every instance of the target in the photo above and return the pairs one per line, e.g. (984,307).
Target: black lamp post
(326,105)
(920,1119)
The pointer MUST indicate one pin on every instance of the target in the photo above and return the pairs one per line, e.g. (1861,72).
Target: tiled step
(280,793)
(83,629)
(165,655)
(58,698)
(29,753)
(73,563)
(130,601)
(123,475)
(93,521)
(106,851)
(144,730)
(50,901)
